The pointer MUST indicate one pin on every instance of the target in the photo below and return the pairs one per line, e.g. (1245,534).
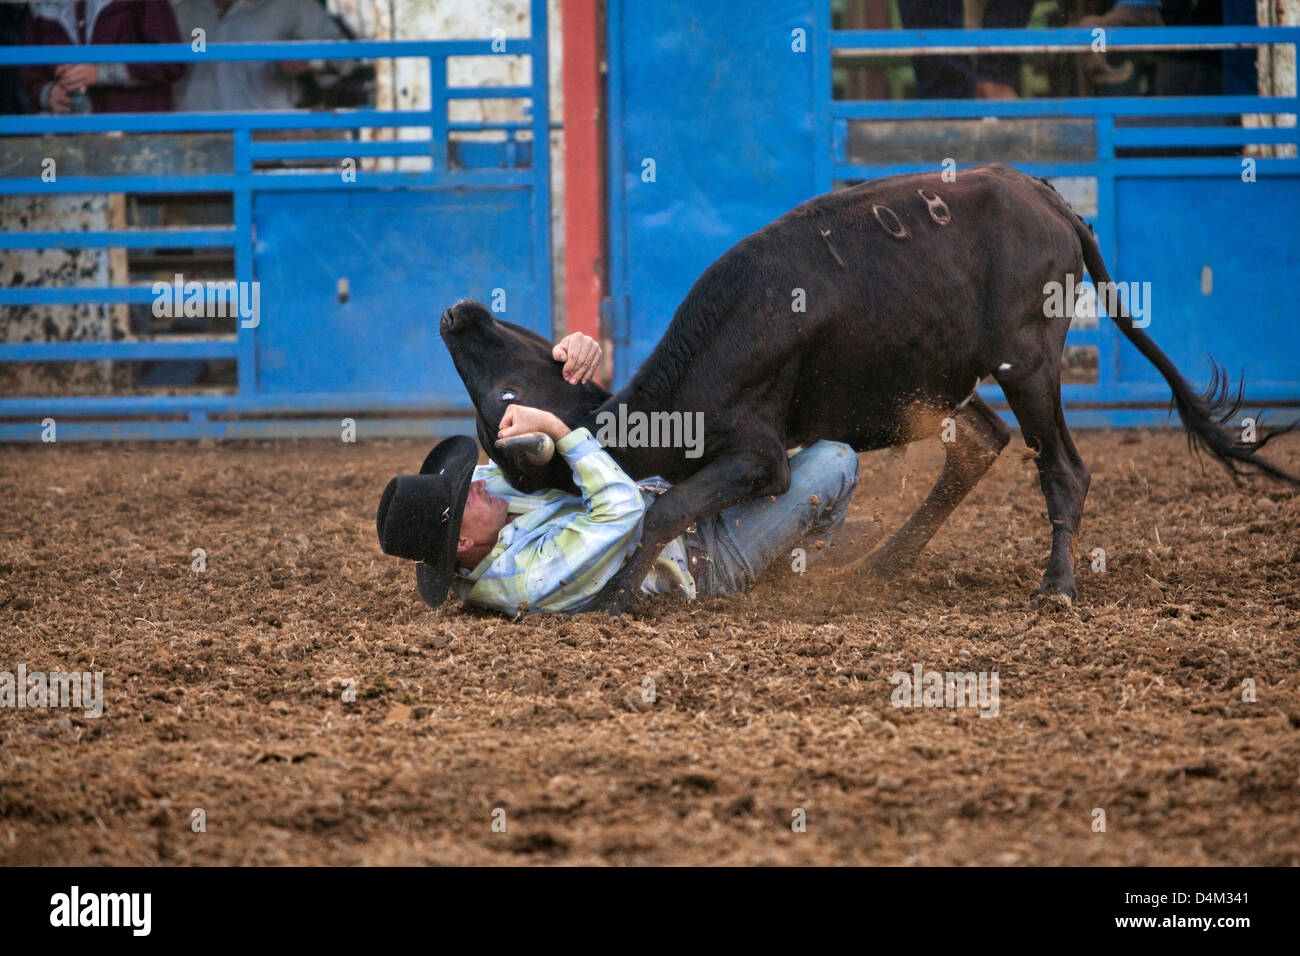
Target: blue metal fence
(743,125)
(409,242)
(1159,219)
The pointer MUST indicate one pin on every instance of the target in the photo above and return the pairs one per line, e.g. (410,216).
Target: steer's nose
(449,322)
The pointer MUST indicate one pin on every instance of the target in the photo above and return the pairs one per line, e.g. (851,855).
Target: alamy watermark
(79,690)
(635,429)
(923,688)
(1082,300)
(211,300)
(130,910)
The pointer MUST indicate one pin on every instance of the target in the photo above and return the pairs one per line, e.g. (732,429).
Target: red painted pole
(584,169)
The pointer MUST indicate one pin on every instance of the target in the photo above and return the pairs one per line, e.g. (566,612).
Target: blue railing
(242,180)
(836,113)
(1102,162)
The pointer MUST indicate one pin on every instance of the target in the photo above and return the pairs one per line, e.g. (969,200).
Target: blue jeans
(743,540)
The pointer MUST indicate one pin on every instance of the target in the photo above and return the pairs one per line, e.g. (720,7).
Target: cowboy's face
(483,518)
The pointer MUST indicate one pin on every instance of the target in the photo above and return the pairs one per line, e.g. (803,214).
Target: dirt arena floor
(224,688)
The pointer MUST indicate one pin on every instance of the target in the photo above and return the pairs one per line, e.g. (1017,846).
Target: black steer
(915,290)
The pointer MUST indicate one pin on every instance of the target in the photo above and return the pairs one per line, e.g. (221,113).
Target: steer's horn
(536,447)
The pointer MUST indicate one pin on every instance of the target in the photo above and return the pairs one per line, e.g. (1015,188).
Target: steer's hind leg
(1036,400)
(980,437)
(725,481)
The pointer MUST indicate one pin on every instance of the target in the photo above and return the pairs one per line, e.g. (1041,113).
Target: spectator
(1095,69)
(249,84)
(989,76)
(1128,13)
(111,87)
(13,25)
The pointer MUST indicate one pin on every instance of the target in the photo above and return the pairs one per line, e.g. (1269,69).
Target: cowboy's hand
(76,76)
(522,420)
(580,354)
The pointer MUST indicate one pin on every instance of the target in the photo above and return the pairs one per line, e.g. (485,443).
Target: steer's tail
(1203,414)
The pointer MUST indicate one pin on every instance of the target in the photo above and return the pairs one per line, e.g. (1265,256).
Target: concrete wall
(60,323)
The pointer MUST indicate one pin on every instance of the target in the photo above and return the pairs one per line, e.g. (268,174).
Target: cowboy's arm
(576,554)
(612,499)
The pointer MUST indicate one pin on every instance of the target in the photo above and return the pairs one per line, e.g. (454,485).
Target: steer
(915,289)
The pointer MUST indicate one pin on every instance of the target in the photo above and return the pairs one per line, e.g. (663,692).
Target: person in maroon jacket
(112,87)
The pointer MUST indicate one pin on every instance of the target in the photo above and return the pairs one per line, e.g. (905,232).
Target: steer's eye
(508,395)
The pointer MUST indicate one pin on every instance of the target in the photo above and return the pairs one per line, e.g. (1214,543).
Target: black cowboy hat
(419,515)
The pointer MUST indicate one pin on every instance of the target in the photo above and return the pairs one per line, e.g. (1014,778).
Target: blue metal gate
(353,271)
(741,125)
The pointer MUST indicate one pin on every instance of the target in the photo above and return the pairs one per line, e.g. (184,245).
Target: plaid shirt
(561,549)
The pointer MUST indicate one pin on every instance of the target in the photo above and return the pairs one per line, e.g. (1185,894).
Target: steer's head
(503,364)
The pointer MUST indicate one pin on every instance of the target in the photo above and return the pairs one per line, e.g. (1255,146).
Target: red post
(584,167)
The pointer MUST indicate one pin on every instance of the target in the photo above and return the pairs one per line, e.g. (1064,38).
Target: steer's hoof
(1048,599)
(852,542)
(884,563)
(614,604)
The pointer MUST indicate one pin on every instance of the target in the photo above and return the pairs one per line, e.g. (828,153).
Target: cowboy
(553,551)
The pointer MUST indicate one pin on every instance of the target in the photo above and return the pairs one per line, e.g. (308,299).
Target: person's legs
(938,77)
(997,75)
(1239,75)
(744,539)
